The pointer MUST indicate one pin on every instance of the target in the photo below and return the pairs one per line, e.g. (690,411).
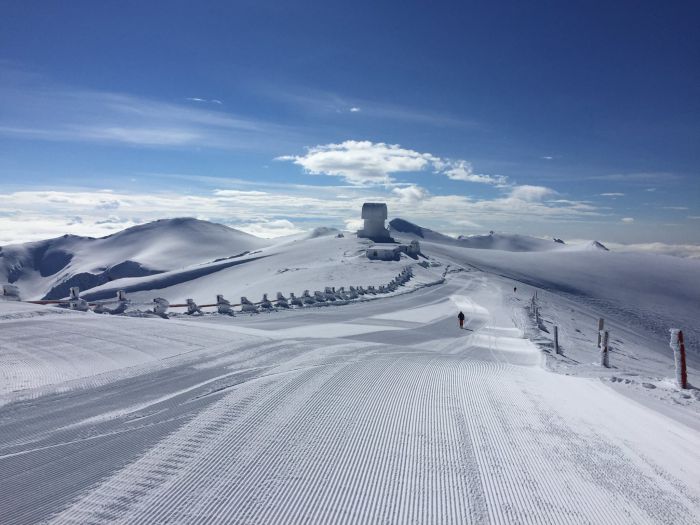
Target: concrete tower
(374,215)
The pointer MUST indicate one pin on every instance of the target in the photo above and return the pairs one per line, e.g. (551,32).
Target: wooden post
(604,360)
(556,340)
(678,346)
(601,326)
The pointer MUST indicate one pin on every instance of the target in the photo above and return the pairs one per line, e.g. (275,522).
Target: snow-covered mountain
(509,242)
(408,229)
(47,269)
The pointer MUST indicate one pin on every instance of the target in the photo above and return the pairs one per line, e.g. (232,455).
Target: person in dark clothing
(461,319)
(515,289)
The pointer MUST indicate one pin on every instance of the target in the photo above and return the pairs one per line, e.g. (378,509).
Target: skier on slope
(461,320)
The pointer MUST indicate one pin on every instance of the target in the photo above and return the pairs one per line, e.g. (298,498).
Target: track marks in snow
(337,431)
(414,438)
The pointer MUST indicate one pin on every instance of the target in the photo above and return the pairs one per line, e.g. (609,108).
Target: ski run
(380,411)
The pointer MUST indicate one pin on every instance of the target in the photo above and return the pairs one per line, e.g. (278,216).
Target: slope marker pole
(678,347)
(604,359)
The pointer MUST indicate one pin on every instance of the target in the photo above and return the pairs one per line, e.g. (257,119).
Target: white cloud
(547,157)
(354,109)
(530,193)
(112,219)
(410,194)
(270,229)
(144,136)
(367,163)
(109,204)
(353,224)
(204,100)
(462,170)
(239,193)
(628,220)
(361,162)
(612,194)
(691,251)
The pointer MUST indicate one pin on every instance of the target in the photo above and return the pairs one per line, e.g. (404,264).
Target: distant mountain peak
(51,266)
(403,226)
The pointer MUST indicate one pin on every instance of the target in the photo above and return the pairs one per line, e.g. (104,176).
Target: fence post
(556,339)
(678,347)
(11,292)
(223,306)
(192,307)
(601,327)
(160,307)
(604,359)
(75,302)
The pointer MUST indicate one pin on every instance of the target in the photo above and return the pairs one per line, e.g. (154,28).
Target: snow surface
(375,411)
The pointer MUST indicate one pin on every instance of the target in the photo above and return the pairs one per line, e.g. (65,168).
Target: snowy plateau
(367,408)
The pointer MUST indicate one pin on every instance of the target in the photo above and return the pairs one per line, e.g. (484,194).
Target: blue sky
(574,119)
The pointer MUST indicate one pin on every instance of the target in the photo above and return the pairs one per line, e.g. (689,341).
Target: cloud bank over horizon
(268,215)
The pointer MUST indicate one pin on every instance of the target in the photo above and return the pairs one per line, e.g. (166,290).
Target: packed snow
(376,409)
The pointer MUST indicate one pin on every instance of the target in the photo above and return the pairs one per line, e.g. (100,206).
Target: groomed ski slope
(397,417)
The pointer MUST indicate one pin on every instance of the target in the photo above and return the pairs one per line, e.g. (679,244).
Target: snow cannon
(281,301)
(265,303)
(382,289)
(160,307)
(10,292)
(319,297)
(306,298)
(330,293)
(360,290)
(247,306)
(223,306)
